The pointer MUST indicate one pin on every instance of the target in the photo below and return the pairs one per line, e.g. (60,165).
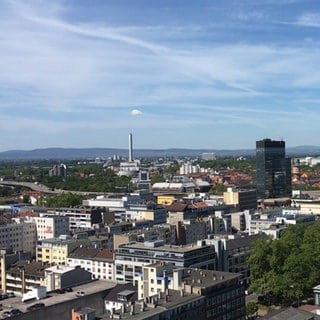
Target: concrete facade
(130,258)
(241,199)
(19,236)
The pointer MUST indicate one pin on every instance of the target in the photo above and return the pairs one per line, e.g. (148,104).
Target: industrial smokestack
(130,148)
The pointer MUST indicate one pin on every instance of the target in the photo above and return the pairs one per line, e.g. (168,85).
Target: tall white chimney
(130,148)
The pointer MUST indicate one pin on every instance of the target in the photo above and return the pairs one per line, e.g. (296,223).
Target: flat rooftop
(55,298)
(174,300)
(165,247)
(207,278)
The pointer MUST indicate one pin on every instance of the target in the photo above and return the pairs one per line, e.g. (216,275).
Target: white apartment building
(79,218)
(124,208)
(188,168)
(99,262)
(159,279)
(51,226)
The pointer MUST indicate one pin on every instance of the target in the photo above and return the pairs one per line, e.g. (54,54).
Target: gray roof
(207,278)
(242,241)
(174,299)
(290,313)
(166,248)
(119,289)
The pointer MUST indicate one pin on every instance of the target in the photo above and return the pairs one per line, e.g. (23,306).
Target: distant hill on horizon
(92,153)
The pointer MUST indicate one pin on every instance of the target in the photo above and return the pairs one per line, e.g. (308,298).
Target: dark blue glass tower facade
(273,175)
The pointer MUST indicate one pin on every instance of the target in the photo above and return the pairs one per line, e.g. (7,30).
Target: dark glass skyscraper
(273,177)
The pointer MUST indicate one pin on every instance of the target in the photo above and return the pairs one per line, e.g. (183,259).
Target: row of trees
(103,180)
(290,266)
(63,200)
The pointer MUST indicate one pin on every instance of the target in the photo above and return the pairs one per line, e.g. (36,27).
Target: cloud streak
(55,65)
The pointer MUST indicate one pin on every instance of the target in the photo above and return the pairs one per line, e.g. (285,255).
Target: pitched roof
(126,288)
(31,268)
(177,207)
(91,253)
(242,241)
(200,204)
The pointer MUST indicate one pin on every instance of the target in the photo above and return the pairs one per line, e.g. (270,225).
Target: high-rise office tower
(273,176)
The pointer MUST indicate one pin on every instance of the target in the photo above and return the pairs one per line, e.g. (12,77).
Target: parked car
(36,306)
(60,290)
(11,313)
(3,296)
(69,289)
(15,312)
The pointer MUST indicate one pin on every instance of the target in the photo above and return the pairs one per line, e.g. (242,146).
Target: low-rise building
(130,258)
(7,259)
(56,250)
(241,199)
(100,263)
(122,303)
(59,276)
(80,218)
(223,291)
(120,298)
(22,276)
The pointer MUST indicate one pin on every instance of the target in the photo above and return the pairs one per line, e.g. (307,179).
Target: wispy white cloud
(309,20)
(53,62)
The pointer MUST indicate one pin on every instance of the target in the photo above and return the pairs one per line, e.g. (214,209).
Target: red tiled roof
(201,204)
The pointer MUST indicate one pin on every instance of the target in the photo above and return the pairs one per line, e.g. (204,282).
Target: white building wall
(51,227)
(99,269)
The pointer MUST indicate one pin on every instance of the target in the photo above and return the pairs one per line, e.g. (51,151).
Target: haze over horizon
(175,73)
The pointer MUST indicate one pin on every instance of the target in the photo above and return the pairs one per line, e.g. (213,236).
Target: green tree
(26,198)
(288,266)
(156,179)
(259,262)
(64,200)
(218,189)
(251,308)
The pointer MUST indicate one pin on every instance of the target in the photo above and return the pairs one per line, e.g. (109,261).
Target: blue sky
(199,73)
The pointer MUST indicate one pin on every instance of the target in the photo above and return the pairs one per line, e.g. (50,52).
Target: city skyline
(177,74)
